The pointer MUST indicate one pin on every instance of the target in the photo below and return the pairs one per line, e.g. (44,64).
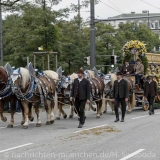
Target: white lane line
(132,154)
(5,150)
(16,125)
(90,128)
(157,113)
(139,117)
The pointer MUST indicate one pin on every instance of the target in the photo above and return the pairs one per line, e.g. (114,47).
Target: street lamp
(146,11)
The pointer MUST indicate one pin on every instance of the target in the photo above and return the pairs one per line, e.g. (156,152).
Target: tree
(24,33)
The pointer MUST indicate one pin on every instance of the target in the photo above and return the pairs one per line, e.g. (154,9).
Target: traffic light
(87,60)
(118,60)
(112,59)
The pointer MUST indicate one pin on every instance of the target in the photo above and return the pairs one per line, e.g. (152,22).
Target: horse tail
(55,102)
(133,100)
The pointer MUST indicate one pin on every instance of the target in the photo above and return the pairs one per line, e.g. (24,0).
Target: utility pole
(1,43)
(79,17)
(92,35)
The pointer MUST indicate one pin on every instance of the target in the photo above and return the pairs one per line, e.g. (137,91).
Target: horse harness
(7,90)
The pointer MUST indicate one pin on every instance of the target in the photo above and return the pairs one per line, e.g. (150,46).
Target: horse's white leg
(26,110)
(47,106)
(52,118)
(71,112)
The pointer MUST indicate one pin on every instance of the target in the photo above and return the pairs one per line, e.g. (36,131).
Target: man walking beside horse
(81,93)
(120,96)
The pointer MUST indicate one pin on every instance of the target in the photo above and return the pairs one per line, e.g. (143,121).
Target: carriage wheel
(145,107)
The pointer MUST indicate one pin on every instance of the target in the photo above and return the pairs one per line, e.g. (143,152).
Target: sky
(104,9)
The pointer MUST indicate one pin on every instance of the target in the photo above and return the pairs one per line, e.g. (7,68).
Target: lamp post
(147,11)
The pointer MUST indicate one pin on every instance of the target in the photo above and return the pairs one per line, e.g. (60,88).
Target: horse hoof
(4,119)
(71,116)
(38,125)
(31,119)
(104,111)
(58,118)
(94,109)
(22,122)
(48,123)
(52,121)
(25,127)
(97,117)
(65,116)
(10,126)
(100,113)
(129,112)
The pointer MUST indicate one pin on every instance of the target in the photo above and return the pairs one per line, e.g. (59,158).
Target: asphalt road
(137,138)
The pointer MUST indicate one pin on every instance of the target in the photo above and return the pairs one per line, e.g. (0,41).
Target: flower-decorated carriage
(133,50)
(151,64)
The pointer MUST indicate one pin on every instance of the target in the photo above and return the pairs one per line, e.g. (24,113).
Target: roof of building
(138,14)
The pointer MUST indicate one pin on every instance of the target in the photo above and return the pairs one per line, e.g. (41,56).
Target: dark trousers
(137,76)
(150,100)
(117,102)
(80,106)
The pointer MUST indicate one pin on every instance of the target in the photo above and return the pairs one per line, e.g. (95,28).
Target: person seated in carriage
(127,68)
(139,71)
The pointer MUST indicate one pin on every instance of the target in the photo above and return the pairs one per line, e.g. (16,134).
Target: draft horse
(32,91)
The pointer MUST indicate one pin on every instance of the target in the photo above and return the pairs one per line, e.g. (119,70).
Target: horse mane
(25,76)
(113,78)
(91,74)
(73,76)
(51,74)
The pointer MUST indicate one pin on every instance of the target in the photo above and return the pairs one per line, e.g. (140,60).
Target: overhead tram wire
(114,5)
(150,4)
(110,6)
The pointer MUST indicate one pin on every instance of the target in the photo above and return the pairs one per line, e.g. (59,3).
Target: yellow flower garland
(134,47)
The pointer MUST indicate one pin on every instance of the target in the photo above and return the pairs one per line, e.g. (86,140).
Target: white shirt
(119,80)
(80,79)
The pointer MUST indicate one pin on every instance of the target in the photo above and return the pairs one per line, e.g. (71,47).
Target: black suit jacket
(123,89)
(84,89)
(153,89)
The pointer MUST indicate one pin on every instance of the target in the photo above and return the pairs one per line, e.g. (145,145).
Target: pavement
(99,139)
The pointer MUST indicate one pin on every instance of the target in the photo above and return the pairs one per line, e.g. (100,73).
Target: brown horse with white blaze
(34,91)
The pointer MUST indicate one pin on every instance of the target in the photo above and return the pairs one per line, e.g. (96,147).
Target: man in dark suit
(127,68)
(81,93)
(120,95)
(150,91)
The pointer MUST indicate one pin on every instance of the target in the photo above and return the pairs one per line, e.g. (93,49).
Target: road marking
(16,125)
(15,147)
(139,117)
(91,128)
(132,154)
(157,113)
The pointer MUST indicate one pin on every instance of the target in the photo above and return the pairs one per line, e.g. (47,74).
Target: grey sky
(125,6)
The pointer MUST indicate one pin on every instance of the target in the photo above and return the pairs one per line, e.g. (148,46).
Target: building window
(140,23)
(120,23)
(156,48)
(156,25)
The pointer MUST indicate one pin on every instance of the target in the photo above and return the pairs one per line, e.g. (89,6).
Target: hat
(138,60)
(149,78)
(119,73)
(80,71)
